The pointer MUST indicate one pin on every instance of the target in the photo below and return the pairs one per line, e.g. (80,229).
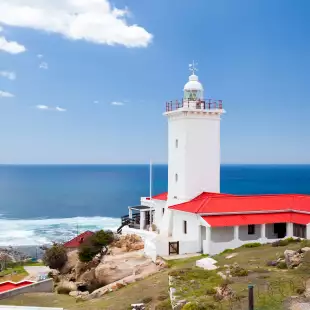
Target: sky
(86,81)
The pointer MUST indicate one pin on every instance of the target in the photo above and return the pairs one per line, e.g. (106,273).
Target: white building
(194,216)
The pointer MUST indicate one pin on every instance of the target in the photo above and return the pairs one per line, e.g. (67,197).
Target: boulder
(292,258)
(304,250)
(74,293)
(108,272)
(73,258)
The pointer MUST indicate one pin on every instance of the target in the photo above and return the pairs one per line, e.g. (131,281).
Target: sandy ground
(35,271)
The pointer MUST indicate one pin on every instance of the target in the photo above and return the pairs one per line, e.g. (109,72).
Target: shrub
(199,306)
(55,257)
(237,271)
(164,305)
(305,243)
(211,291)
(283,242)
(282,265)
(252,245)
(163,296)
(94,244)
(227,251)
(146,300)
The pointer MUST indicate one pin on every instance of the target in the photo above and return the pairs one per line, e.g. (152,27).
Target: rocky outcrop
(73,258)
(109,272)
(129,243)
(292,258)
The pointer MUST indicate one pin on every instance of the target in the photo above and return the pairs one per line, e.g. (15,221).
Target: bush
(227,251)
(146,300)
(305,243)
(237,271)
(199,306)
(283,242)
(164,305)
(163,296)
(282,265)
(252,245)
(94,244)
(211,291)
(55,257)
(300,290)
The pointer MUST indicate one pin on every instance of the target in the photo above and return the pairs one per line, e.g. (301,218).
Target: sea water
(41,204)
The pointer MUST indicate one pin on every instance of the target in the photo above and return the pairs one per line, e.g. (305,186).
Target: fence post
(251,297)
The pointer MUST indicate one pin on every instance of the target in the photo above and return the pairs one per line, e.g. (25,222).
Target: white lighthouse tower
(193,143)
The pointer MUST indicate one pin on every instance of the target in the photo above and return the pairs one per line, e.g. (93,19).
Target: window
(251,229)
(176,177)
(163,211)
(299,230)
(176,143)
(185,227)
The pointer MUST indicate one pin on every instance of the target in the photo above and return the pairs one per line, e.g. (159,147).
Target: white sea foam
(33,232)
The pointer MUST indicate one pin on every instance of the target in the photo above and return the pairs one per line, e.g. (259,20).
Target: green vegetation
(272,285)
(55,257)
(13,270)
(252,245)
(94,245)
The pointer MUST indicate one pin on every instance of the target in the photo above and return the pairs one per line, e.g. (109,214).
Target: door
(202,235)
(173,247)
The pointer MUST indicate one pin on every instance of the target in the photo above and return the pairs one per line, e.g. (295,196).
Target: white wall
(231,237)
(196,161)
(189,242)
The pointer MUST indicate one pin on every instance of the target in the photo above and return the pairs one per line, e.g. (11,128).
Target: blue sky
(254,55)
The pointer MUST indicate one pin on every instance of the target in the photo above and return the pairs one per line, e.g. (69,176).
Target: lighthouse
(193,143)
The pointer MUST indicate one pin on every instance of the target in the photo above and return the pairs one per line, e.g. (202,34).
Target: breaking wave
(35,232)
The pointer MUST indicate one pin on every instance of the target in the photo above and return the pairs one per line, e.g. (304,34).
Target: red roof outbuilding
(78,240)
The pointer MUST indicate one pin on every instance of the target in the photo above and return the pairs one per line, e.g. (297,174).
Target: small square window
(163,211)
(176,177)
(251,229)
(176,143)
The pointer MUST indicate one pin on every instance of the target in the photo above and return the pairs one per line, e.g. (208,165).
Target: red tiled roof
(162,196)
(206,203)
(262,218)
(75,242)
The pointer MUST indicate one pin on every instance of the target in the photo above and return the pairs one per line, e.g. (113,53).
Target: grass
(271,285)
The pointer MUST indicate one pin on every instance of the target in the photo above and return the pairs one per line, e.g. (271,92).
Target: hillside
(272,285)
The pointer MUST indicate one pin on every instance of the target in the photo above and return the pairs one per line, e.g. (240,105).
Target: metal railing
(206,104)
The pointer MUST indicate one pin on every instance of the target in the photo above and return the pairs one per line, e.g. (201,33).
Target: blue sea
(41,204)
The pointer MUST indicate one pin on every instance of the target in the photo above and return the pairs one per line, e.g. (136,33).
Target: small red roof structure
(162,196)
(78,240)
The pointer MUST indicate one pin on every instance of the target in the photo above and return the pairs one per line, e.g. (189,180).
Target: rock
(98,293)
(222,275)
(292,258)
(306,249)
(74,293)
(223,292)
(231,255)
(73,258)
(129,243)
(106,273)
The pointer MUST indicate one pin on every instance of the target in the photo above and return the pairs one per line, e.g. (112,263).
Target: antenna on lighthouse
(151,179)
(193,67)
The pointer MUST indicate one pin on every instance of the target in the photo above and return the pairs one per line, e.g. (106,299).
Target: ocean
(42,204)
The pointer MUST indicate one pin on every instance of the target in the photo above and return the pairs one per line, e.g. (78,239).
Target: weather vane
(193,67)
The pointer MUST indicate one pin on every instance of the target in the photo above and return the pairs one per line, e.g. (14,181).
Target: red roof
(247,219)
(218,203)
(75,242)
(8,285)
(162,196)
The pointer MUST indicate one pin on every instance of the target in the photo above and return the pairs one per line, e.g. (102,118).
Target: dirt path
(35,271)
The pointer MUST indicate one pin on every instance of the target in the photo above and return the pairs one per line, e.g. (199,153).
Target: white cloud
(48,108)
(91,20)
(40,56)
(5,94)
(60,109)
(11,47)
(43,65)
(9,75)
(96,101)
(117,103)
